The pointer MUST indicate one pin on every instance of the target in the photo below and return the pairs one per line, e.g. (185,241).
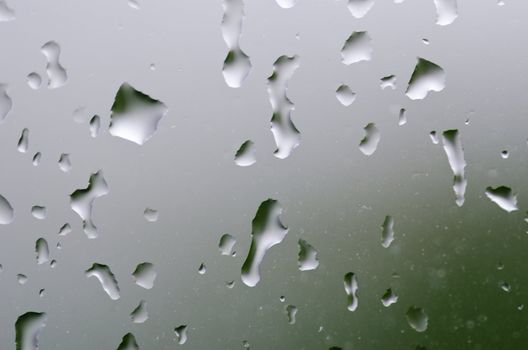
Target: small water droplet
(106,278)
(246,154)
(7,213)
(267,231)
(145,275)
(42,250)
(357,48)
(402,117)
(505,286)
(133,4)
(6,13)
(282,298)
(345,95)
(64,162)
(36,159)
(434,137)
(27,330)
(351,288)
(359,8)
(446,11)
(505,154)
(500,266)
(57,75)
(520,307)
(21,279)
(388,82)
(387,231)
(226,244)
(140,314)
(291,312)
(417,318)
(128,343)
(181,334)
(151,215)
(230,284)
(503,196)
(369,143)
(34,80)
(307,259)
(95,126)
(42,292)
(286,4)
(53,263)
(245,344)
(202,269)
(39,212)
(5,102)
(427,76)
(23,141)
(425,41)
(65,229)
(388,298)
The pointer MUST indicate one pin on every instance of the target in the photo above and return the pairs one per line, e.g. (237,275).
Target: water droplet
(53,263)
(434,137)
(505,286)
(402,118)
(503,196)
(351,287)
(359,8)
(245,344)
(6,13)
(226,244)
(42,292)
(505,154)
(417,318)
(427,76)
(7,213)
(106,278)
(446,11)
(128,343)
(95,125)
(357,48)
(42,250)
(230,284)
(237,64)
(455,155)
(57,75)
(291,312)
(282,298)
(23,141)
(425,41)
(202,269)
(181,334)
(21,279)
(65,229)
(133,4)
(500,3)
(5,102)
(34,80)
(64,162)
(140,314)
(267,231)
(246,156)
(388,82)
(520,307)
(369,143)
(28,328)
(308,259)
(82,201)
(151,215)
(286,135)
(145,275)
(500,266)
(345,95)
(39,212)
(387,231)
(388,298)
(36,159)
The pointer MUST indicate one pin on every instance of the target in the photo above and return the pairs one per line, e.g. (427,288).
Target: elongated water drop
(455,155)
(359,8)
(351,288)
(28,328)
(237,64)
(5,102)
(7,213)
(308,259)
(95,125)
(369,143)
(417,318)
(181,334)
(503,196)
(446,11)
(267,231)
(135,115)
(36,159)
(291,312)
(140,314)
(434,137)
(128,343)
(106,278)
(65,229)
(245,156)
(402,118)
(226,244)
(42,250)
(145,275)
(286,135)
(388,298)
(357,48)
(64,162)
(387,231)
(6,13)
(82,200)
(345,95)
(57,75)
(23,141)
(427,76)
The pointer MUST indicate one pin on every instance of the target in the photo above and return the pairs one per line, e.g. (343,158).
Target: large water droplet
(387,231)
(369,143)
(237,64)
(446,11)
(503,196)
(308,259)
(359,8)
(64,162)
(351,287)
(135,115)
(267,231)
(388,298)
(5,102)
(57,75)
(286,135)
(140,314)
(291,312)
(106,278)
(145,275)
(427,76)
(357,48)
(181,334)
(226,244)
(39,212)
(345,95)
(82,200)
(6,13)
(42,250)
(128,343)
(246,154)
(7,213)
(455,155)
(417,318)
(27,330)
(34,80)
(23,141)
